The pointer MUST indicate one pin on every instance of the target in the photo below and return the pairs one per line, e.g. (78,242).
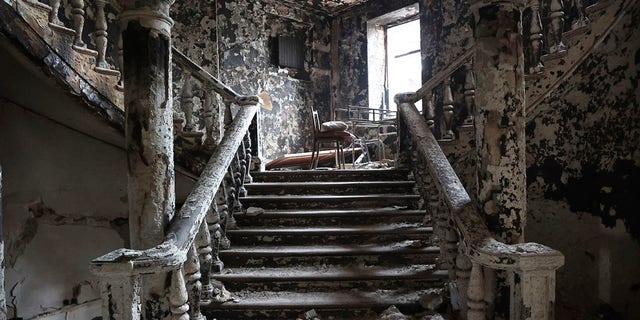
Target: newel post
(146,38)
(533,288)
(500,118)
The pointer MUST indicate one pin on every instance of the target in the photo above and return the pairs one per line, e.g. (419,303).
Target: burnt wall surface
(236,40)
(583,155)
(350,67)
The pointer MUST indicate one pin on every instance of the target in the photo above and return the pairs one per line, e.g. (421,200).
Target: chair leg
(315,153)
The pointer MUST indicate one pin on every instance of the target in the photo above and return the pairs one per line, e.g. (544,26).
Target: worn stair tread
(404,228)
(332,273)
(330,175)
(403,247)
(318,184)
(386,211)
(342,300)
(331,197)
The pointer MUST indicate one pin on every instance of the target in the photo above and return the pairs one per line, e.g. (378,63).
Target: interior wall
(350,68)
(583,171)
(239,35)
(583,155)
(64,204)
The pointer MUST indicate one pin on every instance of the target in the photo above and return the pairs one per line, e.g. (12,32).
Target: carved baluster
(475,294)
(247,143)
(430,112)
(469,92)
(463,272)
(447,110)
(101,35)
(121,62)
(194,286)
(535,29)
(237,176)
(178,296)
(242,166)
(207,114)
(186,100)
(216,232)
(450,244)
(53,14)
(203,243)
(582,19)
(489,290)
(556,16)
(78,23)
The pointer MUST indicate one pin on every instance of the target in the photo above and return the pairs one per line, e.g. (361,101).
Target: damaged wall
(239,35)
(584,177)
(350,68)
(59,211)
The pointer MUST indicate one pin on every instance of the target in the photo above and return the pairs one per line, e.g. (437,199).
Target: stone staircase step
(382,233)
(331,217)
(335,187)
(410,251)
(330,175)
(350,304)
(318,278)
(331,201)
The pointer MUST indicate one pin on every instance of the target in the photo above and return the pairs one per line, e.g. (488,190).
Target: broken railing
(469,251)
(196,233)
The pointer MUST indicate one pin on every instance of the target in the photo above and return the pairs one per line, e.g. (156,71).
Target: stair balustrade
(197,233)
(464,235)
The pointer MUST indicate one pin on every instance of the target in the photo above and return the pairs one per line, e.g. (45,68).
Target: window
(404,72)
(394,59)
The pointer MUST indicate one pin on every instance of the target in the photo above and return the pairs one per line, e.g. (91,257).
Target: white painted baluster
(447,110)
(556,16)
(186,101)
(536,36)
(207,114)
(203,243)
(469,92)
(475,294)
(489,290)
(463,272)
(450,244)
(53,14)
(178,296)
(430,111)
(101,35)
(193,284)
(78,23)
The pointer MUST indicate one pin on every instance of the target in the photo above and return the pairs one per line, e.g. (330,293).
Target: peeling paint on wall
(585,148)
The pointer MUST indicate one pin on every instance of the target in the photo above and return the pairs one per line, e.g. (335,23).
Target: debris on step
(392,313)
(220,293)
(432,300)
(254,211)
(309,315)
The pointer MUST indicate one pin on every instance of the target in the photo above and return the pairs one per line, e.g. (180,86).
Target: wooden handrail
(183,228)
(442,75)
(477,241)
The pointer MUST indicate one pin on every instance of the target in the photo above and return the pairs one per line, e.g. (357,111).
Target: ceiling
(328,6)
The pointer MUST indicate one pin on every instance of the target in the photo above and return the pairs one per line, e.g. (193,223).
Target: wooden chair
(338,136)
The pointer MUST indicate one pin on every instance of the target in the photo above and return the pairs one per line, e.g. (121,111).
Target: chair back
(316,121)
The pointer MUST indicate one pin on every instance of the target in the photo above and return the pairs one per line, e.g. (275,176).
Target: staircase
(347,244)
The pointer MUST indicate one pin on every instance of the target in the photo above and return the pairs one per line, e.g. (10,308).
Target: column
(146,38)
(499,117)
